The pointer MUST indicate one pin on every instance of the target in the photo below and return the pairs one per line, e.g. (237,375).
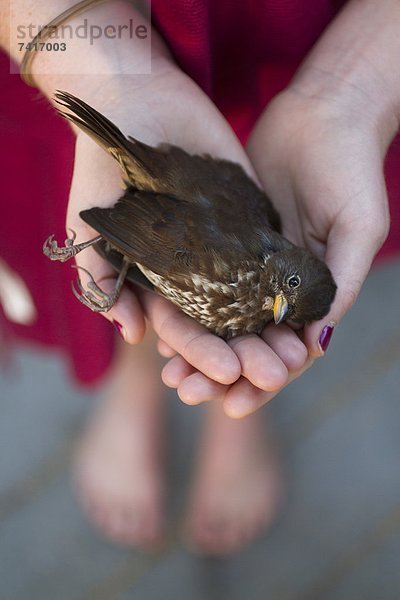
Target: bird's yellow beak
(280,308)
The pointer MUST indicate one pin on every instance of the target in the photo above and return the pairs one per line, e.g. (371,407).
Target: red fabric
(36,164)
(240,53)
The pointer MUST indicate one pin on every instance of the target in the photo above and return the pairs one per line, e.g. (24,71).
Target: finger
(197,388)
(260,364)
(126,313)
(175,371)
(351,249)
(243,398)
(164,349)
(287,345)
(204,351)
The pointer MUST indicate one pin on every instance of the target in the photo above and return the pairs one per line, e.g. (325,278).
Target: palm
(324,173)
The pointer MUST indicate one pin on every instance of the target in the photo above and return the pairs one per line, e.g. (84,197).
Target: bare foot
(238,485)
(118,470)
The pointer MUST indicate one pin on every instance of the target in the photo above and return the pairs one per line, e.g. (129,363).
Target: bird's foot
(96,299)
(53,252)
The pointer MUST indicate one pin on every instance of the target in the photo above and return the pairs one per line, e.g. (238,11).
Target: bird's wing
(146,227)
(165,234)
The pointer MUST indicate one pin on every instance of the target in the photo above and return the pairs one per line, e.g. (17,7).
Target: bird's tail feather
(91,121)
(131,154)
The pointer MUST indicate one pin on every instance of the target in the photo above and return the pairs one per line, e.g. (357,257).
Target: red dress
(240,53)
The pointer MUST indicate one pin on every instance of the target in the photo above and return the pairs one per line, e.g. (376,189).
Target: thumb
(352,245)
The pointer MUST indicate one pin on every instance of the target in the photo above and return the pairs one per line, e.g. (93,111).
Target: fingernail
(119,328)
(325,336)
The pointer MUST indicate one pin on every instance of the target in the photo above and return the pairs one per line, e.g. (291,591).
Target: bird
(198,231)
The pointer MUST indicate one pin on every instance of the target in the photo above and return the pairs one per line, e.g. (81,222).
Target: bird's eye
(294,281)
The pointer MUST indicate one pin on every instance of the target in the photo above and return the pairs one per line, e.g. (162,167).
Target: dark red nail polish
(325,336)
(119,328)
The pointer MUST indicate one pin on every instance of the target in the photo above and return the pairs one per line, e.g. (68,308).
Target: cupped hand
(244,373)
(321,162)
(247,366)
(320,159)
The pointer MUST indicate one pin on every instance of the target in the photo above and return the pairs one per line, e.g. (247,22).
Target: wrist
(102,43)
(349,98)
(353,70)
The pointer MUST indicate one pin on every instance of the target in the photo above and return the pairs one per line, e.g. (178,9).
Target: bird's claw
(98,301)
(53,252)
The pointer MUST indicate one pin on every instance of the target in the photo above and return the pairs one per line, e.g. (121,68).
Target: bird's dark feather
(144,226)
(169,169)
(161,232)
(201,231)
(115,258)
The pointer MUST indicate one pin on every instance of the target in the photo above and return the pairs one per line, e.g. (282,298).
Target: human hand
(321,161)
(245,373)
(319,148)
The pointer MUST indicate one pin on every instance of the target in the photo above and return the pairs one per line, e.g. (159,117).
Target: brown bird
(200,232)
